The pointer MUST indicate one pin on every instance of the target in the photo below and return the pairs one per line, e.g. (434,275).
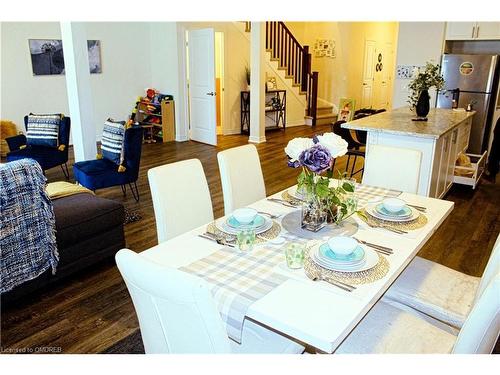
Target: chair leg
(135,192)
(353,165)
(124,189)
(347,164)
(65,171)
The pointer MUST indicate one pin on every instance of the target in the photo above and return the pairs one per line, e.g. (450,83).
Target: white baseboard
(291,124)
(231,131)
(260,139)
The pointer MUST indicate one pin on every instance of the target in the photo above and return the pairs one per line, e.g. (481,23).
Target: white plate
(370,210)
(222,225)
(340,267)
(231,222)
(340,262)
(371,260)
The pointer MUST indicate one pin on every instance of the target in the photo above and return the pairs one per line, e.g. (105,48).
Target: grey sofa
(89,230)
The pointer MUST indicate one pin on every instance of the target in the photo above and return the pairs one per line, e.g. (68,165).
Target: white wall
(126,71)
(22,92)
(166,68)
(342,76)
(418,42)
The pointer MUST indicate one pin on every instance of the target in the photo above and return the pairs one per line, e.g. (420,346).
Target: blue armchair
(47,157)
(103,173)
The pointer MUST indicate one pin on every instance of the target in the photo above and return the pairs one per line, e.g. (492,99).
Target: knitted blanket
(27,224)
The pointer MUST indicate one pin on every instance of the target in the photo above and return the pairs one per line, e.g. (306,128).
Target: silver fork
(272,216)
(419,208)
(385,250)
(318,276)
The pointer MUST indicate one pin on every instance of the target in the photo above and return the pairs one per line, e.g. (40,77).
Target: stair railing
(297,60)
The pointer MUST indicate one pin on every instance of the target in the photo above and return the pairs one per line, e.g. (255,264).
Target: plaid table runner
(366,192)
(237,280)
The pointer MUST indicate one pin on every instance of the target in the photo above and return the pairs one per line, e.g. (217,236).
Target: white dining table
(315,312)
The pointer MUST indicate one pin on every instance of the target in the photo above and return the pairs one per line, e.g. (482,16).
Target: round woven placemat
(312,269)
(269,234)
(412,225)
(290,198)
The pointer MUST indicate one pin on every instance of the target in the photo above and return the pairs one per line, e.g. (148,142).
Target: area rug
(131,344)
(131,216)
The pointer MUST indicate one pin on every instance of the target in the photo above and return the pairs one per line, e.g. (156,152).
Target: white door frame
(222,56)
(183,81)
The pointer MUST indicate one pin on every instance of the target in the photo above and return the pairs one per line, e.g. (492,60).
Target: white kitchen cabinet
(460,30)
(472,30)
(440,140)
(488,30)
(442,164)
(453,157)
(463,136)
(448,147)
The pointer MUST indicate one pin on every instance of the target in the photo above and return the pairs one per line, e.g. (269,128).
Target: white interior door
(368,74)
(202,113)
(385,76)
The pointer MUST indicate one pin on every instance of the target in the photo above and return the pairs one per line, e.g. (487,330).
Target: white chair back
(392,168)
(480,331)
(176,311)
(241,177)
(181,198)
(492,269)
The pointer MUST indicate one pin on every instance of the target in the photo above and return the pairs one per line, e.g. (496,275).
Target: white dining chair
(181,198)
(392,168)
(241,177)
(177,313)
(387,329)
(439,291)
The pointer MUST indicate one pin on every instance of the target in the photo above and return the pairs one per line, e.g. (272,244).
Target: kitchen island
(440,139)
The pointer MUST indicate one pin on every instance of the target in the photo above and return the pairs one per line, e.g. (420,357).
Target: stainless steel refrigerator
(471,79)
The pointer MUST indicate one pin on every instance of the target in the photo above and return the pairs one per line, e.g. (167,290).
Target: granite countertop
(399,121)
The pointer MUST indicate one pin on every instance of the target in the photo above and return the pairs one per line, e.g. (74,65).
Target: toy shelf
(160,126)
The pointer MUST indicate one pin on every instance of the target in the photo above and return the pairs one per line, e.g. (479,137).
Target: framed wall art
(47,56)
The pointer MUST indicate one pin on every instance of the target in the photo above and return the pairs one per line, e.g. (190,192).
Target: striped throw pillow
(43,130)
(113,136)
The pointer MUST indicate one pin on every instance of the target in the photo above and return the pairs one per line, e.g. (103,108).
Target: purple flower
(293,164)
(316,158)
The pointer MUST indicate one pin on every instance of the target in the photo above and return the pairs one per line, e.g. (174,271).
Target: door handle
(211,93)
(477,32)
(364,84)
(473,31)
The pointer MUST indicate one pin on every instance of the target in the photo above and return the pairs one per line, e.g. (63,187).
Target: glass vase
(314,214)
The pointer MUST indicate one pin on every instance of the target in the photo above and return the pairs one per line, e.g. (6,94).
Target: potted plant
(419,87)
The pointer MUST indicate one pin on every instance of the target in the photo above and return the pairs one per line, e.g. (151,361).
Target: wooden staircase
(295,60)
(324,115)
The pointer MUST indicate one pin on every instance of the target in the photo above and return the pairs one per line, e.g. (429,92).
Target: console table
(275,110)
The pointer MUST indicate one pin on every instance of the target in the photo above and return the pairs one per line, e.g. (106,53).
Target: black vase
(423,104)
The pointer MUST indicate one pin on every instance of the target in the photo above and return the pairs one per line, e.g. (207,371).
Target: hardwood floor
(92,312)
